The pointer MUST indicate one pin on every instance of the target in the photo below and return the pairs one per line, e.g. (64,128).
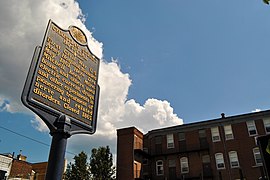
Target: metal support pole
(58,148)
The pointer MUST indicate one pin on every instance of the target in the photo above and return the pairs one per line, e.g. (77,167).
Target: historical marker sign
(63,78)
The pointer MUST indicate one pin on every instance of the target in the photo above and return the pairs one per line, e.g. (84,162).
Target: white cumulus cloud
(39,124)
(256,110)
(22,27)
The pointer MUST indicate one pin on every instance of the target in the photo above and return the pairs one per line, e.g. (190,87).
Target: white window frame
(266,123)
(234,159)
(159,168)
(184,165)
(257,153)
(170,141)
(228,132)
(251,126)
(219,160)
(215,134)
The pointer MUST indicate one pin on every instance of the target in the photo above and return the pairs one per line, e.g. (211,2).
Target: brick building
(40,170)
(5,165)
(223,148)
(21,169)
(17,168)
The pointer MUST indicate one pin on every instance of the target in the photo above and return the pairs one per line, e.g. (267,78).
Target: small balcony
(204,145)
(139,150)
(185,147)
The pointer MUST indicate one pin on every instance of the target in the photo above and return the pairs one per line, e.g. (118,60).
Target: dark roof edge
(213,121)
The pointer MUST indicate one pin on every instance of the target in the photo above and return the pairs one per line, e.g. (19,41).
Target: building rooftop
(213,122)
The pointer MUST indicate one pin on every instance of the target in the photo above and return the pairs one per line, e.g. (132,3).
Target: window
(220,161)
(170,141)
(257,156)
(184,165)
(228,132)
(205,159)
(159,168)
(181,136)
(266,123)
(215,134)
(202,133)
(158,140)
(251,128)
(172,163)
(233,159)
(158,144)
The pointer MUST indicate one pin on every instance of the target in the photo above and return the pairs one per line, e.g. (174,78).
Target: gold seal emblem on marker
(78,35)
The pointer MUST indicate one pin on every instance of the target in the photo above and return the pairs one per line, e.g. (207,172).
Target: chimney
(21,157)
(222,115)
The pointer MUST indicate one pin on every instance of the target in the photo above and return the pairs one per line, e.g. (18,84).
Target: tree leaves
(80,169)
(100,166)
(266,1)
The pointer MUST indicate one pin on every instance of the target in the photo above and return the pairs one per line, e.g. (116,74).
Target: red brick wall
(242,143)
(20,169)
(40,170)
(125,152)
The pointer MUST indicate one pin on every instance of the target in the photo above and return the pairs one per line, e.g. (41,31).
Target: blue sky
(164,62)
(204,57)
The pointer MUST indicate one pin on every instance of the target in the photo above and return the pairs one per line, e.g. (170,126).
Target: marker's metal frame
(61,126)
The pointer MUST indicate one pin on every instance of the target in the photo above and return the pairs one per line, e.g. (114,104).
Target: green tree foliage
(79,170)
(266,1)
(101,164)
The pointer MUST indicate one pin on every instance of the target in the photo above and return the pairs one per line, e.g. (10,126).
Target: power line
(32,139)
